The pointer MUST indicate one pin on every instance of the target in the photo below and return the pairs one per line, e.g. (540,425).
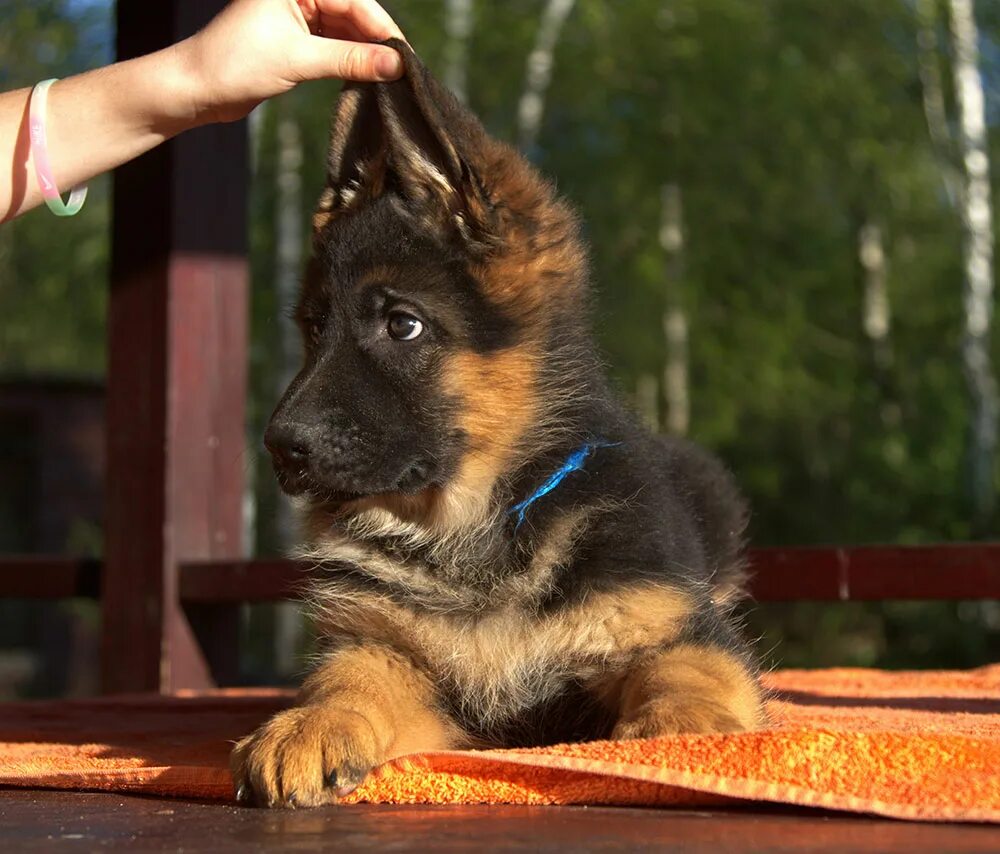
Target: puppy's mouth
(418,475)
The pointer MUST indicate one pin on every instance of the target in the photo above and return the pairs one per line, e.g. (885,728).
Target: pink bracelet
(40,154)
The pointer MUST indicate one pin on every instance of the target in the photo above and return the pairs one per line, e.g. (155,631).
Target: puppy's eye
(404,327)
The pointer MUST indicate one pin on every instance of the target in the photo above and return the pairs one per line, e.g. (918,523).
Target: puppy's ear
(356,159)
(410,136)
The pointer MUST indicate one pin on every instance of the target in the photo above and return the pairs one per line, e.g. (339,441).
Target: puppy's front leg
(365,705)
(690,688)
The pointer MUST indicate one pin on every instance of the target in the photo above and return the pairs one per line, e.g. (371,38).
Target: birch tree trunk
(876,317)
(538,73)
(458,28)
(977,221)
(876,320)
(932,91)
(647,401)
(289,244)
(675,325)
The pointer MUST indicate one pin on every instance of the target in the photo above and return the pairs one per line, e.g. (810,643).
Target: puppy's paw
(664,716)
(305,757)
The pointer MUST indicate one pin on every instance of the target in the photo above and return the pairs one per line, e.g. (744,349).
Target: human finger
(348,60)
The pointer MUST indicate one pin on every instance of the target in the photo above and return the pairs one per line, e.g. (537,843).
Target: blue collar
(574,462)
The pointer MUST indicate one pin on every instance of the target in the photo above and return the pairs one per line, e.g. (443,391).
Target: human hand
(255,49)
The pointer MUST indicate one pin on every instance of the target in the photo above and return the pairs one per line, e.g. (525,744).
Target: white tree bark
(676,380)
(458,27)
(647,401)
(538,73)
(932,90)
(977,220)
(876,319)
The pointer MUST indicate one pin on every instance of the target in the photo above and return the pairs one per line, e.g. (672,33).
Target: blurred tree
(53,275)
(458,26)
(977,222)
(538,73)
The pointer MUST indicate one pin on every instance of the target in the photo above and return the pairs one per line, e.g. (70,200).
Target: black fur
(371,416)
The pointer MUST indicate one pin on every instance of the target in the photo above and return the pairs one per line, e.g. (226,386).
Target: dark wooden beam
(176,379)
(243,581)
(872,573)
(862,573)
(49,577)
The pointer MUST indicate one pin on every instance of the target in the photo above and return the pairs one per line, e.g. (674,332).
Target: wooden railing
(859,574)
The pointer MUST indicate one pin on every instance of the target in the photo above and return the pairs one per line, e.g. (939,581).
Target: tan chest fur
(510,658)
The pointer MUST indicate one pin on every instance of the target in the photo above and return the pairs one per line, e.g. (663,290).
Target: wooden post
(176,384)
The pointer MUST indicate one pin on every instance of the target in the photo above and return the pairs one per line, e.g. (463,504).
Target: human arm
(252,50)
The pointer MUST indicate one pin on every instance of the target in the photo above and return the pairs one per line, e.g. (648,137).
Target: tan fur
(336,202)
(511,658)
(498,406)
(540,262)
(688,688)
(496,396)
(500,416)
(450,584)
(366,704)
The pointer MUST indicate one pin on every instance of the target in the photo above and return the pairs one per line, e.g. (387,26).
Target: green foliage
(53,275)
(788,125)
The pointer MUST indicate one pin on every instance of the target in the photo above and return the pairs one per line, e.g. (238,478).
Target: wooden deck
(60,821)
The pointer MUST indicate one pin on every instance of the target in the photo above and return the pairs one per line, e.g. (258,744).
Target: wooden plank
(176,379)
(74,821)
(864,573)
(873,573)
(49,577)
(242,580)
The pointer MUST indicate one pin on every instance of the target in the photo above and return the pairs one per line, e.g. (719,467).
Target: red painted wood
(176,380)
(870,573)
(863,573)
(242,581)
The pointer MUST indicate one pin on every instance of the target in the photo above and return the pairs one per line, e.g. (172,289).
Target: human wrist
(203,91)
(177,100)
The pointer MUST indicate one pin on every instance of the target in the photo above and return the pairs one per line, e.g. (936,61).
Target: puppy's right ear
(356,161)
(410,136)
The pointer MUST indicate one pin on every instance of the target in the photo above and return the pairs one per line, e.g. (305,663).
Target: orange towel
(909,745)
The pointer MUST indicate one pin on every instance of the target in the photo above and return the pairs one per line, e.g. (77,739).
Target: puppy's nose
(288,445)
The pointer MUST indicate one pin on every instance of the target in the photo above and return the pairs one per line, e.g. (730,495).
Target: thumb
(325,57)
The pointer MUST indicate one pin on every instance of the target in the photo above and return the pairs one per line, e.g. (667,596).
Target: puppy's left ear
(432,143)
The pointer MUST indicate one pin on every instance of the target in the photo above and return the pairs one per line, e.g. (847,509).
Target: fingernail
(388,65)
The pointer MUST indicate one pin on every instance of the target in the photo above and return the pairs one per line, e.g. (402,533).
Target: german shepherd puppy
(504,556)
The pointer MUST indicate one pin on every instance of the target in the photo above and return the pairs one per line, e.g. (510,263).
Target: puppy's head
(443,277)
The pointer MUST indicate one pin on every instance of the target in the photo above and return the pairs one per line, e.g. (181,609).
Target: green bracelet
(40,154)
